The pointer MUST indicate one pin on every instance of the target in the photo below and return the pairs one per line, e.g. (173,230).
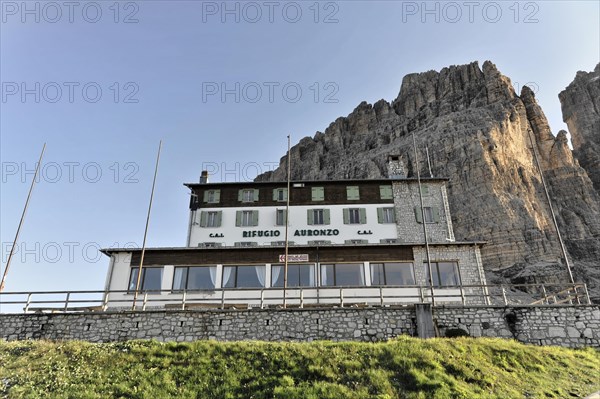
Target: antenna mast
(12,249)
(423,220)
(287,223)
(139,276)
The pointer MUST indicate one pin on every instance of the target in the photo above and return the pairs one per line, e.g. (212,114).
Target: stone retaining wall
(572,326)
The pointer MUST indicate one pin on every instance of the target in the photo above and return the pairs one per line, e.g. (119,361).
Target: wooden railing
(298,297)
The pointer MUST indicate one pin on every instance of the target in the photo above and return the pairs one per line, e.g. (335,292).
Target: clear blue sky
(159,75)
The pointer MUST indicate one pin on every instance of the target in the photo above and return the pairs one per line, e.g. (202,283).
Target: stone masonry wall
(407,202)
(572,326)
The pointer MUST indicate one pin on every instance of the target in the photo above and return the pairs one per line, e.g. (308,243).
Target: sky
(222,84)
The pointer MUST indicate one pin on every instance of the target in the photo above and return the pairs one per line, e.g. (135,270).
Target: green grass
(402,368)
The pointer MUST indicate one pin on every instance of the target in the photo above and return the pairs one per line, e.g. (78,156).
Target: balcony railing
(296,297)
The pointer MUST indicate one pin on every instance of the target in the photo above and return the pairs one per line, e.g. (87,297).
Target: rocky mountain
(581,112)
(485,138)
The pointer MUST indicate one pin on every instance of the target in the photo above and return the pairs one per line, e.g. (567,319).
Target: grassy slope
(402,368)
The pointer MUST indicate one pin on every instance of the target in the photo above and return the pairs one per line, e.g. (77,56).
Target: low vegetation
(401,368)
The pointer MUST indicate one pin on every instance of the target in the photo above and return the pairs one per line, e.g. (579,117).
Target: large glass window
(244,276)
(445,274)
(194,278)
(342,274)
(392,273)
(299,275)
(151,278)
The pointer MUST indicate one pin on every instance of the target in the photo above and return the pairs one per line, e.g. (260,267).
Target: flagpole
(139,276)
(287,223)
(12,249)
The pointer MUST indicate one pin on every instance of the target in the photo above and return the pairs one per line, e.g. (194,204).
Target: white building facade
(349,241)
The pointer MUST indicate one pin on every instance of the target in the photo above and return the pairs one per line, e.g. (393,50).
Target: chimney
(204,177)
(396,167)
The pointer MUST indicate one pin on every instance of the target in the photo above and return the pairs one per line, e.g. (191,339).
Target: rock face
(580,103)
(482,135)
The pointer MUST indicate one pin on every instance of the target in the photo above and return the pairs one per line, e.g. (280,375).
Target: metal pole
(562,245)
(139,276)
(423,220)
(428,161)
(12,249)
(287,223)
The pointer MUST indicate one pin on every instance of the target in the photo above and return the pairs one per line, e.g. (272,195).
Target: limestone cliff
(581,111)
(481,135)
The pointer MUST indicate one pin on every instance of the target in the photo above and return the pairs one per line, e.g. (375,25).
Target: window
(385,192)
(342,274)
(280,194)
(210,219)
(244,276)
(355,216)
(281,243)
(318,193)
(392,273)
(151,278)
(356,241)
(194,278)
(246,218)
(432,214)
(212,196)
(319,242)
(245,244)
(248,195)
(298,275)
(318,216)
(386,215)
(280,217)
(210,244)
(352,193)
(445,274)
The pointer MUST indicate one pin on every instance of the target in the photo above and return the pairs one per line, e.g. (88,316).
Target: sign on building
(294,258)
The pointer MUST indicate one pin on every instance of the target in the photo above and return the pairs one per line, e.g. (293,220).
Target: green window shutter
(284,217)
(203,216)
(362,215)
(318,193)
(352,193)
(217,195)
(380,215)
(240,195)
(285,194)
(424,189)
(418,214)
(436,215)
(205,199)
(326,216)
(238,218)
(275,194)
(254,218)
(346,216)
(255,194)
(219,217)
(310,217)
(385,192)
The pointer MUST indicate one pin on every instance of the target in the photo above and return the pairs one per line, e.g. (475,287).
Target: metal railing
(299,297)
